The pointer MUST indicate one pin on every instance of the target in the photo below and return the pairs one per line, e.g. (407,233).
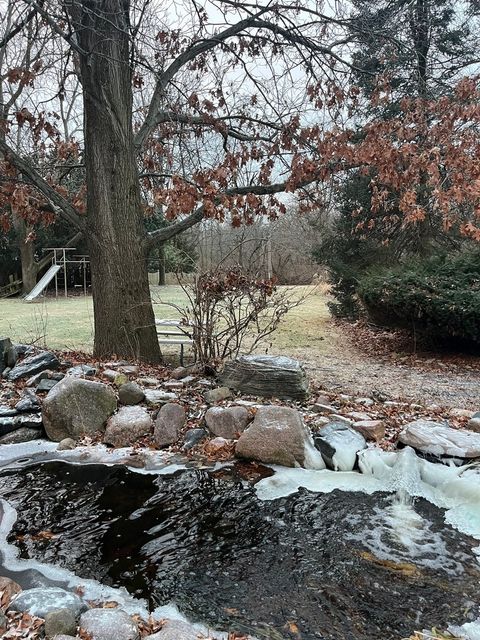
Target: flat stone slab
(34,364)
(43,600)
(12,423)
(266,376)
(439,439)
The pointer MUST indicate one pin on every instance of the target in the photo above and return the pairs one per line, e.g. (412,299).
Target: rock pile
(66,616)
(117,403)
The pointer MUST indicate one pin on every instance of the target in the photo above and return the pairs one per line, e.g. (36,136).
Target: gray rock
(324,409)
(336,417)
(217,395)
(266,376)
(43,600)
(11,356)
(439,439)
(366,402)
(110,374)
(24,434)
(34,364)
(6,372)
(7,412)
(131,393)
(170,420)
(474,422)
(339,445)
(109,624)
(194,437)
(28,402)
(227,422)
(53,375)
(66,445)
(24,349)
(179,372)
(175,630)
(82,371)
(149,382)
(173,385)
(46,385)
(3,622)
(5,346)
(12,423)
(127,426)
(76,407)
(358,416)
(60,622)
(62,636)
(276,436)
(157,397)
(129,369)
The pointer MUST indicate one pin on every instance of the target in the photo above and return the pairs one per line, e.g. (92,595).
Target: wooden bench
(175,333)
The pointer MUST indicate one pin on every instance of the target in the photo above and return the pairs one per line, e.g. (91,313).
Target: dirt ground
(363,361)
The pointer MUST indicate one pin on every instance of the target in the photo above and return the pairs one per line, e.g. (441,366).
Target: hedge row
(439,296)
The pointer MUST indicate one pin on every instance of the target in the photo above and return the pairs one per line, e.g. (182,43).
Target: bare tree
(191,151)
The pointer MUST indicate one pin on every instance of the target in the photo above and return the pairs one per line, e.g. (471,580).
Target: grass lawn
(67,324)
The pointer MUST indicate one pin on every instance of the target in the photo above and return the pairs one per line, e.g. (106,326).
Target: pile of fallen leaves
(399,345)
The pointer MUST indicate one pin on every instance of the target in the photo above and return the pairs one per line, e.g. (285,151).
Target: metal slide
(43,283)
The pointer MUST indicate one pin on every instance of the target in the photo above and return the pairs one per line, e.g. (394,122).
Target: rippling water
(340,566)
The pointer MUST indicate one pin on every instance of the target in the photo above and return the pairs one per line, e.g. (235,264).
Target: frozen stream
(331,554)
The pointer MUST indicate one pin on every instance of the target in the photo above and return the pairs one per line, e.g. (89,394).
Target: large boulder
(339,445)
(227,422)
(266,376)
(77,407)
(438,439)
(109,624)
(127,426)
(42,600)
(34,364)
(278,436)
(170,420)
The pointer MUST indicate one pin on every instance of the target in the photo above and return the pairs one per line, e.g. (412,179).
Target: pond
(337,565)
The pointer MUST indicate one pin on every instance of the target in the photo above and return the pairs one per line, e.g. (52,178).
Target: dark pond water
(306,566)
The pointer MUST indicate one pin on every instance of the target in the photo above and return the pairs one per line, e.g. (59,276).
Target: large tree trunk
(27,254)
(124,318)
(161,265)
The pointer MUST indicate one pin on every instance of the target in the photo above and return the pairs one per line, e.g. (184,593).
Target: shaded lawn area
(67,324)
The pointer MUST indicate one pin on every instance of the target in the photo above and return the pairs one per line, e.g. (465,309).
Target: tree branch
(60,204)
(206,121)
(11,34)
(184,58)
(166,233)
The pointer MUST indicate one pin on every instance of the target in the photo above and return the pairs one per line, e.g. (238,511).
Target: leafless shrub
(230,311)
